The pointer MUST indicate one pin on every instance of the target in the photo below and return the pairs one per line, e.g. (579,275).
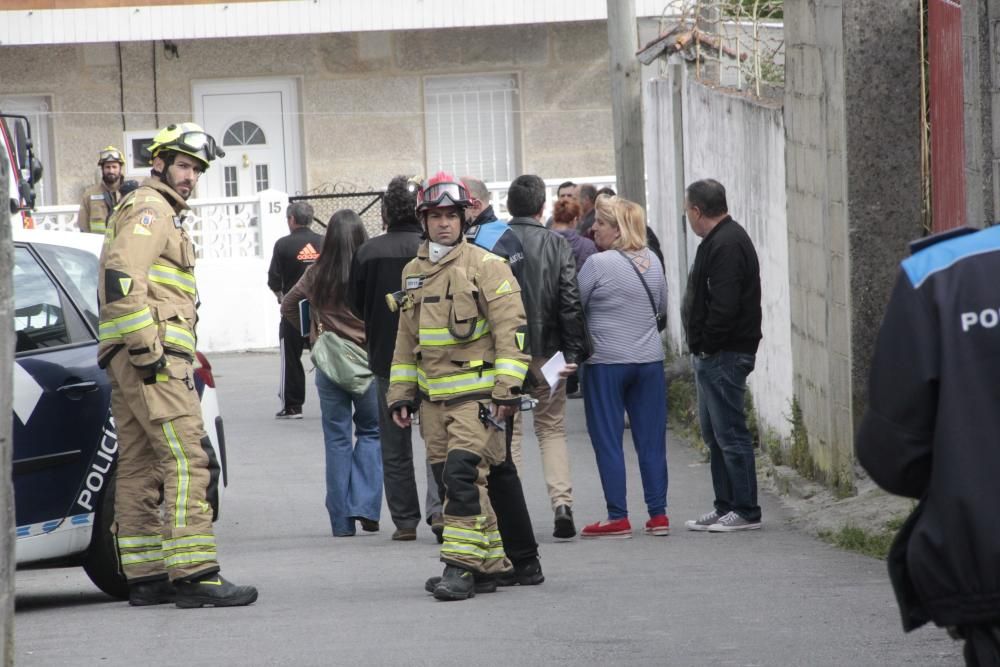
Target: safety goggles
(434,196)
(199,142)
(108,155)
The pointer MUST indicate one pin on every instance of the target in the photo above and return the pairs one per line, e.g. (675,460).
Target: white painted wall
(740,143)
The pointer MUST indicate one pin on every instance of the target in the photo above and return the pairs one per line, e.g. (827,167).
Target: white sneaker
(733,522)
(703,522)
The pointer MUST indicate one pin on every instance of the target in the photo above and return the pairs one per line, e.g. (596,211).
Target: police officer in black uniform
(292,254)
(932,432)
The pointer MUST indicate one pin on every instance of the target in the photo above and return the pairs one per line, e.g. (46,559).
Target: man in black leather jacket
(555,323)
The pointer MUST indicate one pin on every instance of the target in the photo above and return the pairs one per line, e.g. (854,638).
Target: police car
(65,446)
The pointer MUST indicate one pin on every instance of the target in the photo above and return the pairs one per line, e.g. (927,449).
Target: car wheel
(101,561)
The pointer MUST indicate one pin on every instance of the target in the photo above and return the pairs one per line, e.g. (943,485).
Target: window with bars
(471,125)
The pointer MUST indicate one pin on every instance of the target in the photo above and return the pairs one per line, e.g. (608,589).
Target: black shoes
(289,413)
(213,591)
(482,583)
(527,573)
(148,593)
(437,526)
(456,584)
(565,528)
(368,525)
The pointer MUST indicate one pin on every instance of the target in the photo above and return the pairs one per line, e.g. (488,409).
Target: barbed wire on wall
(732,43)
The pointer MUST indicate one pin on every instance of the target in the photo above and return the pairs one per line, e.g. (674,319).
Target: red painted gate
(944,29)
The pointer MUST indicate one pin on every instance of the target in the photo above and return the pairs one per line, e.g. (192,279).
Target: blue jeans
(722,383)
(353,472)
(609,392)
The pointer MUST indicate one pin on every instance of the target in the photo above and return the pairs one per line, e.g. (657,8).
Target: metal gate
(365,204)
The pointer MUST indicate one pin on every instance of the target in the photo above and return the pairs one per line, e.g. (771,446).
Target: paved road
(773,597)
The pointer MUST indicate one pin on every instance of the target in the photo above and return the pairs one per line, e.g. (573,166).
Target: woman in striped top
(625,371)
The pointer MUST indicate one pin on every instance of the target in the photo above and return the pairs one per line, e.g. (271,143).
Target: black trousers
(292,391)
(507,498)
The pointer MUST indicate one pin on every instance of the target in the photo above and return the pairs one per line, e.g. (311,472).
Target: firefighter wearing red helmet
(459,360)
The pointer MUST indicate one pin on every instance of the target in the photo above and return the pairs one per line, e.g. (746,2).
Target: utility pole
(626,100)
(6,444)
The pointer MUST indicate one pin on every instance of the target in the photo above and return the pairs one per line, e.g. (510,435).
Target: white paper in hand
(551,369)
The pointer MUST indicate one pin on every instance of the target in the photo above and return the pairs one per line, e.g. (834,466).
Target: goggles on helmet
(198,144)
(440,195)
(110,154)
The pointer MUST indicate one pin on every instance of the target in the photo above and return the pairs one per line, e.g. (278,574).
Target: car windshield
(80,267)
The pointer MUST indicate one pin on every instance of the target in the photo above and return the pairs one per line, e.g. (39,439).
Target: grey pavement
(771,597)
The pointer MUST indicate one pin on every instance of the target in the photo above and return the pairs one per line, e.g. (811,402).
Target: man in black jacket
(555,323)
(932,432)
(375,272)
(722,316)
(292,254)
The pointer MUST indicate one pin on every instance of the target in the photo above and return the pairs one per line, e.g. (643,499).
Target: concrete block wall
(853,140)
(362,94)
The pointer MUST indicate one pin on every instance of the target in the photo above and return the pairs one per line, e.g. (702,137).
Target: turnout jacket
(932,429)
(462,337)
(95,207)
(146,284)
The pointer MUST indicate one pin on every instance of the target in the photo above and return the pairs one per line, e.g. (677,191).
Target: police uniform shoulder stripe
(946,254)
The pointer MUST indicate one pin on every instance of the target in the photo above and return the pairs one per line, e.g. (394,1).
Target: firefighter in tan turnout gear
(148,304)
(99,200)
(458,359)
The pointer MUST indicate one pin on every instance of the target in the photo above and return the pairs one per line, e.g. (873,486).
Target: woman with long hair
(624,294)
(353,472)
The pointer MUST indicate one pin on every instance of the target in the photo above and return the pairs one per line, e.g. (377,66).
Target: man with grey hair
(292,254)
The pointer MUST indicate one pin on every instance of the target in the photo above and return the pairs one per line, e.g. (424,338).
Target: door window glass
(41,319)
(262,179)
(229,180)
(243,133)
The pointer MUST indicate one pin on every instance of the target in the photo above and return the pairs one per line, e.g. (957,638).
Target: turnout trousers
(459,444)
(162,444)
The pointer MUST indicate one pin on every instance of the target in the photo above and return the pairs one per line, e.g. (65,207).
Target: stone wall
(362,94)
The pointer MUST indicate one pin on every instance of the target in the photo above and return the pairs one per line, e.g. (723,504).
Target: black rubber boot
(483,583)
(456,584)
(213,591)
(527,573)
(146,593)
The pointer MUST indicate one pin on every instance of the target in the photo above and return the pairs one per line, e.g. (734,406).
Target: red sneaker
(619,528)
(658,525)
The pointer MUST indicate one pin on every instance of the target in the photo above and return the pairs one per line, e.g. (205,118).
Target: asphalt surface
(771,597)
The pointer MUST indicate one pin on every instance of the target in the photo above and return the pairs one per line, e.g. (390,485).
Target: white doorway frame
(291,119)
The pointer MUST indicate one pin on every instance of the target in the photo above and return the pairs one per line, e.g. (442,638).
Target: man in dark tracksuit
(932,432)
(375,272)
(292,254)
(504,484)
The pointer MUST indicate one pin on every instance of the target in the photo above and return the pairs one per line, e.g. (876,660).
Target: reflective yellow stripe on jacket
(403,373)
(179,337)
(441,337)
(457,383)
(116,328)
(512,367)
(167,275)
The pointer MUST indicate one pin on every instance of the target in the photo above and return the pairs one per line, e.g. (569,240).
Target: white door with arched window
(257,124)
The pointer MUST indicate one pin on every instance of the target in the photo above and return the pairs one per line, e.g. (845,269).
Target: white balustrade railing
(219,228)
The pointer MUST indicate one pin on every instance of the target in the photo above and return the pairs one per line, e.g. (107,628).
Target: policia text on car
(458,352)
(148,300)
